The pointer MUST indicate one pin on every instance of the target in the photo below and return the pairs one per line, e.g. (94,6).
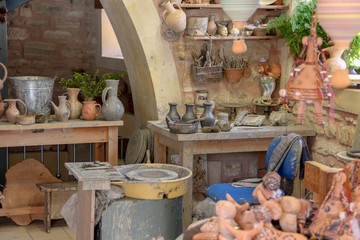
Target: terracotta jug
(2,81)
(12,112)
(62,112)
(2,107)
(212,28)
(76,105)
(174,18)
(112,109)
(89,111)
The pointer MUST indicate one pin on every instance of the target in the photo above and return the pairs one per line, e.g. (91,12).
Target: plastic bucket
(35,91)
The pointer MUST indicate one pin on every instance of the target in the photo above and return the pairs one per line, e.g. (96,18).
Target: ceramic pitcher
(62,112)
(174,18)
(112,108)
(76,105)
(89,111)
(12,112)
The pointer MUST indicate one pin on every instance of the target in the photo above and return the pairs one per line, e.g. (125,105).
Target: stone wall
(334,137)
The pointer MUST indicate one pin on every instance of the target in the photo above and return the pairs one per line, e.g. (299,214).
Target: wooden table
(69,132)
(88,182)
(239,139)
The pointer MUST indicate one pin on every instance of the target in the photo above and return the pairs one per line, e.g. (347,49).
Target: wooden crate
(206,74)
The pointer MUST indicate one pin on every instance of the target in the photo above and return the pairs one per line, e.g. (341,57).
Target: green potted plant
(296,26)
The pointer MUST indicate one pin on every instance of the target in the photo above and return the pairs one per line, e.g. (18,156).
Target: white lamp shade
(239,10)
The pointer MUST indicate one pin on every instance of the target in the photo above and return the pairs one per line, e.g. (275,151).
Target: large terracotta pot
(174,18)
(76,105)
(89,111)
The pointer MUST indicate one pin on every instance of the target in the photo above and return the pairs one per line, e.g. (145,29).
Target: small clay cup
(233,75)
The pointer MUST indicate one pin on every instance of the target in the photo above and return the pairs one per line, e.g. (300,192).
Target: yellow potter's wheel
(148,183)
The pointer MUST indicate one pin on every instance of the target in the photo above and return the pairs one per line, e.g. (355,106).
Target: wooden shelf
(230,37)
(268,7)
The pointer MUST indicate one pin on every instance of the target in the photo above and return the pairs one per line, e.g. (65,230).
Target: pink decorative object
(239,12)
(340,19)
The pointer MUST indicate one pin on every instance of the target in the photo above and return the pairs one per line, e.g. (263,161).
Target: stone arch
(148,57)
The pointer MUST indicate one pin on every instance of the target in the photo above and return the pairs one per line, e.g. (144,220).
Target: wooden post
(159,149)
(187,158)
(112,146)
(85,213)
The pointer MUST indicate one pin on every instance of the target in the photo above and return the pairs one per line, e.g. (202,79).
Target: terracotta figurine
(269,188)
(309,81)
(290,208)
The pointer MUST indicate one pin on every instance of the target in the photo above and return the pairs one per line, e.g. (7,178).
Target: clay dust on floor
(34,231)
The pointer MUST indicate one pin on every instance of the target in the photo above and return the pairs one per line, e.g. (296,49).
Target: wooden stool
(56,195)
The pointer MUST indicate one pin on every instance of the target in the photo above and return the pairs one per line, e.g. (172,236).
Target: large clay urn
(89,111)
(175,18)
(12,112)
(62,112)
(112,108)
(76,105)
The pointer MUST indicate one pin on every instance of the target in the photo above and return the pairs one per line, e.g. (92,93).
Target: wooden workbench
(69,132)
(88,182)
(239,139)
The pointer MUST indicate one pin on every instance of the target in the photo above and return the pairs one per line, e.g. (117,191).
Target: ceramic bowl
(25,119)
(248,33)
(260,31)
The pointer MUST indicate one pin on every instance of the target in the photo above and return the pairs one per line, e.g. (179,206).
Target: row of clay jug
(112,108)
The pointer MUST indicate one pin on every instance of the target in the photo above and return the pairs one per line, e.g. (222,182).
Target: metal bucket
(35,91)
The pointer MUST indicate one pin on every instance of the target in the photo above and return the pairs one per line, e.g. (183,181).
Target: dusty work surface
(235,133)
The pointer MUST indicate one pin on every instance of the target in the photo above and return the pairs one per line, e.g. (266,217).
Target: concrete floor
(34,231)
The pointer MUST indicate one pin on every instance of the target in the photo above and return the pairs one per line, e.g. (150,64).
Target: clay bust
(269,188)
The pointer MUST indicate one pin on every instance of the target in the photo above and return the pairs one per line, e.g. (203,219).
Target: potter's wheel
(152,175)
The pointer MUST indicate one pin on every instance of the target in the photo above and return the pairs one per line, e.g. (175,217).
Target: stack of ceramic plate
(140,141)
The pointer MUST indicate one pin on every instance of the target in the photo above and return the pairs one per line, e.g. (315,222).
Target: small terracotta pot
(89,111)
(233,75)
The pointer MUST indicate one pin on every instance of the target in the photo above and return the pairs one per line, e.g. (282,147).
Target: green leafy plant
(113,75)
(90,86)
(352,56)
(293,28)
(74,82)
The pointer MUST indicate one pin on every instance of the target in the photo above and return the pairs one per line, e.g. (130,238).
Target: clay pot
(12,112)
(335,61)
(197,26)
(174,18)
(189,114)
(212,28)
(113,109)
(210,118)
(173,114)
(89,111)
(340,79)
(76,105)
(233,75)
(62,112)
(2,107)
(276,70)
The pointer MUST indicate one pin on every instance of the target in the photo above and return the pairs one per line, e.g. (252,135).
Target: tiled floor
(34,231)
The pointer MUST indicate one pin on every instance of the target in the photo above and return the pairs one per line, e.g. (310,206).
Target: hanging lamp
(340,19)
(239,12)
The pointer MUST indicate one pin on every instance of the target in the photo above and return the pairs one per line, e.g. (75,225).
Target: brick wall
(55,38)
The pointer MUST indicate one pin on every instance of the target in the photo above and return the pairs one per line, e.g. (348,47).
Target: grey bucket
(35,91)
